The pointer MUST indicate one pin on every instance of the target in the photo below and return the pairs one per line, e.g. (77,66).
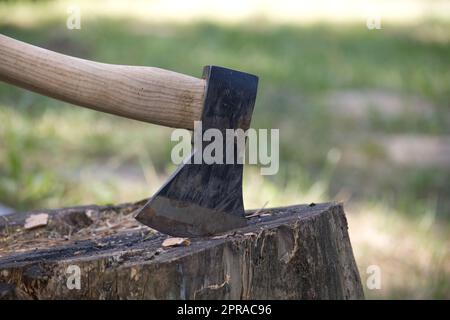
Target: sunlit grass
(412,252)
(27,13)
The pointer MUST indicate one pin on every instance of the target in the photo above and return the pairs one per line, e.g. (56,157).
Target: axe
(198,199)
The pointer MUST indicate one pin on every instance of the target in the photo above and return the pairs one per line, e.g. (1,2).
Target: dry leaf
(175,242)
(36,220)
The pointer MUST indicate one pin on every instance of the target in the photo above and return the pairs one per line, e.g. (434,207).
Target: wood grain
(143,93)
(297,252)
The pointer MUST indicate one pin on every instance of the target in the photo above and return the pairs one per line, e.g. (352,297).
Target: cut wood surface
(297,252)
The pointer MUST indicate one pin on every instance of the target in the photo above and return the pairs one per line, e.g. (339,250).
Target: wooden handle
(143,93)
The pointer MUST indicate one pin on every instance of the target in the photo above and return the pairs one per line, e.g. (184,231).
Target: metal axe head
(206,199)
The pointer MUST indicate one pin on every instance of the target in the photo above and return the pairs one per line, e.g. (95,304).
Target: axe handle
(143,93)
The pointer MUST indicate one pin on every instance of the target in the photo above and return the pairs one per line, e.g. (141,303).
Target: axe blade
(206,199)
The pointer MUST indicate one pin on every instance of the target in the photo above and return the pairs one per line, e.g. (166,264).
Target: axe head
(205,199)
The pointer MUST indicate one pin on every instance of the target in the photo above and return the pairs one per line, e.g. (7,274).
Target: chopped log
(297,252)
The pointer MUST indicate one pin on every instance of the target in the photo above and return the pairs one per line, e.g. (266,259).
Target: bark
(298,252)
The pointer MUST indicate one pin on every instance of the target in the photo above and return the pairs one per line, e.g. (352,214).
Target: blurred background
(360,91)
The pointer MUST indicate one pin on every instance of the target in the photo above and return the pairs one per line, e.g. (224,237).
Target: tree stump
(297,252)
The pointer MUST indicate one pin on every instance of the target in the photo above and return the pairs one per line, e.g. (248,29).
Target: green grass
(52,154)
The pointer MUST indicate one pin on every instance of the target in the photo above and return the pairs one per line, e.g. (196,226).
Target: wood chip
(222,236)
(250,234)
(258,212)
(36,220)
(175,242)
(265,214)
